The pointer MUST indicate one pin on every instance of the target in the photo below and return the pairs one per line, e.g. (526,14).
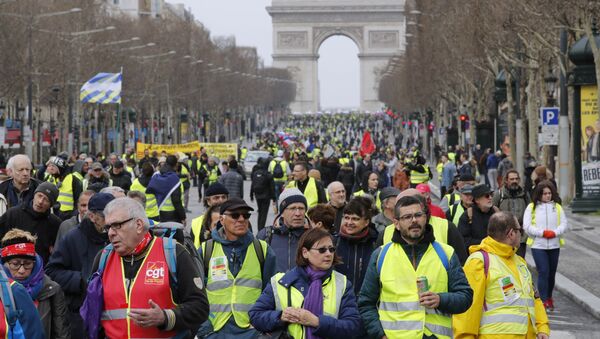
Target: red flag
(366,146)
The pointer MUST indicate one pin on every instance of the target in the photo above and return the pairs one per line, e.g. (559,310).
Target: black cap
(215,189)
(466,177)
(118,164)
(481,190)
(99,201)
(234,204)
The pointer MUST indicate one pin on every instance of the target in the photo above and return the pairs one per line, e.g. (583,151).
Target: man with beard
(392,307)
(474,222)
(513,198)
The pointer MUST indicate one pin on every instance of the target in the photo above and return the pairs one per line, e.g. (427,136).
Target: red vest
(151,282)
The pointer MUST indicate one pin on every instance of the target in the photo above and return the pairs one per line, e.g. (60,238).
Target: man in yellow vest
(459,207)
(312,189)
(280,169)
(68,185)
(215,195)
(419,172)
(505,301)
(238,267)
(413,284)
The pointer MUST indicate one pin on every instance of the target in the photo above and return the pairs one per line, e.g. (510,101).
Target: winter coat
(456,300)
(284,242)
(28,315)
(53,310)
(355,254)
(262,193)
(448,173)
(546,218)
(43,225)
(65,227)
(401,180)
(265,318)
(515,202)
(13,198)
(381,222)
(122,179)
(466,325)
(71,263)
(234,183)
(474,230)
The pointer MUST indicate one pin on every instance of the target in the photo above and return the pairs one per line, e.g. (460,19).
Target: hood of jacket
(491,245)
(89,230)
(78,166)
(144,180)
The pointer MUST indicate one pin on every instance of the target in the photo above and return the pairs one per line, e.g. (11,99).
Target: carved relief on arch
(320,34)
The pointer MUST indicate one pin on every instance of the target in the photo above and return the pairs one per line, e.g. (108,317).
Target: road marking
(560,322)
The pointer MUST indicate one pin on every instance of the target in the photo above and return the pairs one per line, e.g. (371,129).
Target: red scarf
(142,245)
(357,236)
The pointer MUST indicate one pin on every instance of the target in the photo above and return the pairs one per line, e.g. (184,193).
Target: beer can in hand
(422,284)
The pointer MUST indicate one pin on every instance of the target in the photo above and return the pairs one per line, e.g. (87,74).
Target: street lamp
(550,81)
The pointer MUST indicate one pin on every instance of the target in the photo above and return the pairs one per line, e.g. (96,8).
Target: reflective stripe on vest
(561,241)
(65,195)
(310,191)
(458,212)
(400,312)
(418,177)
(234,295)
(333,291)
(502,316)
(78,176)
(151,203)
(197,228)
(168,202)
(439,225)
(152,281)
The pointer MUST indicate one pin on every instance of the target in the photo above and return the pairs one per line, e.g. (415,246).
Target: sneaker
(551,304)
(547,305)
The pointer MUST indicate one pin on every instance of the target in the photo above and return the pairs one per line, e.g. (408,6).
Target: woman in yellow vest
(311,300)
(545,222)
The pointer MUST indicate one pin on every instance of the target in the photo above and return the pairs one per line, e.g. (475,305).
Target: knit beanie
(290,196)
(215,189)
(50,190)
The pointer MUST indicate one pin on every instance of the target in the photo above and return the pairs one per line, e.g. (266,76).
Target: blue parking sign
(549,115)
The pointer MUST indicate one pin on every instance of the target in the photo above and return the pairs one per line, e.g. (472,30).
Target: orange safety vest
(151,282)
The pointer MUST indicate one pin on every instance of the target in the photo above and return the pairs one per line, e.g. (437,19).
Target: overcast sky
(250,23)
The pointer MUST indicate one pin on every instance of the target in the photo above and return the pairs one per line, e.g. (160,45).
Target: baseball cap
(96,166)
(234,204)
(98,201)
(423,188)
(467,189)
(388,192)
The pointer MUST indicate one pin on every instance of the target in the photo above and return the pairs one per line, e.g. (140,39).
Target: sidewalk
(578,274)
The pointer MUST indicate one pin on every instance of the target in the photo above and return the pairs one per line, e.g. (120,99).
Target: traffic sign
(549,115)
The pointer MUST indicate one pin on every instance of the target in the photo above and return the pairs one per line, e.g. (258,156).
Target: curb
(573,291)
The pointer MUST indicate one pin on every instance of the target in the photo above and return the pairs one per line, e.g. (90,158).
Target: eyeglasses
(236,215)
(16,265)
(116,225)
(322,250)
(408,217)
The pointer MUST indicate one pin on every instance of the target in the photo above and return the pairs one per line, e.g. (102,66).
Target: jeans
(546,262)
(279,186)
(263,212)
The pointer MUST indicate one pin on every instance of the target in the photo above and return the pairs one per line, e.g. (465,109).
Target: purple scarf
(313,301)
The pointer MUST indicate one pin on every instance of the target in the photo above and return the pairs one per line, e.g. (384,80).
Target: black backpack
(260,181)
(277,170)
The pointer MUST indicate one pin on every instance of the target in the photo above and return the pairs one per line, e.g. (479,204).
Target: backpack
(169,232)
(277,170)
(15,331)
(260,181)
(210,245)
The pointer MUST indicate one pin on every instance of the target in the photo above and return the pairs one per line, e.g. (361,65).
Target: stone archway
(301,26)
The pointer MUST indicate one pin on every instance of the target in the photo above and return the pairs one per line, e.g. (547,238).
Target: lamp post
(550,81)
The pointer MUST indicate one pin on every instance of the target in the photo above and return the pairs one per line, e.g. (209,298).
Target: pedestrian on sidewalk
(545,221)
(512,198)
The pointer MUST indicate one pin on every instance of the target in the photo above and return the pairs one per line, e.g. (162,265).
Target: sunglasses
(322,250)
(237,215)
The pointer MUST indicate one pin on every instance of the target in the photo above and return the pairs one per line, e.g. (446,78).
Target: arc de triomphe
(377,27)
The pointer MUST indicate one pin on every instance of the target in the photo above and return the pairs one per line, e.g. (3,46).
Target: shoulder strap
(486,270)
(453,212)
(208,249)
(452,198)
(442,254)
(168,196)
(8,300)
(259,253)
(382,254)
(103,257)
(169,247)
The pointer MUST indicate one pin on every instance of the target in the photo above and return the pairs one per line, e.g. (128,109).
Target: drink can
(422,284)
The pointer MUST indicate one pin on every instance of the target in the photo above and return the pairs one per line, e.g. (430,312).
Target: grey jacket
(53,310)
(234,183)
(515,202)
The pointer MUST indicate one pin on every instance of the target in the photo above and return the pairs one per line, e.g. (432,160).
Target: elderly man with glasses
(143,295)
(474,221)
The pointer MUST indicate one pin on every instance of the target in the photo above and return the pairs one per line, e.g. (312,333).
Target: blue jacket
(492,161)
(457,300)
(448,173)
(355,255)
(265,318)
(29,318)
(71,262)
(284,243)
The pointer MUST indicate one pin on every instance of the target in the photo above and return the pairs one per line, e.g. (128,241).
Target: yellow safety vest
(284,167)
(197,228)
(65,195)
(231,295)
(451,156)
(376,197)
(449,198)
(168,203)
(212,175)
(418,177)
(333,291)
(501,316)
(400,313)
(458,213)
(439,225)
(310,191)
(151,203)
(243,154)
(344,161)
(561,241)
(440,168)
(78,176)
(130,171)
(184,171)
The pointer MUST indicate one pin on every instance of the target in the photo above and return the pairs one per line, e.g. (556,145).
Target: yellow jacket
(466,325)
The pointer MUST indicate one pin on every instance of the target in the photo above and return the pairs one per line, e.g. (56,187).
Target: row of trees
(456,49)
(172,69)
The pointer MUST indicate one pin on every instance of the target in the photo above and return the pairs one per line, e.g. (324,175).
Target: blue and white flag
(103,88)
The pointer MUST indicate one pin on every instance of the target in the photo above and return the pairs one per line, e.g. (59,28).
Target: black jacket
(267,192)
(43,225)
(53,310)
(71,263)
(474,230)
(122,179)
(356,254)
(12,197)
